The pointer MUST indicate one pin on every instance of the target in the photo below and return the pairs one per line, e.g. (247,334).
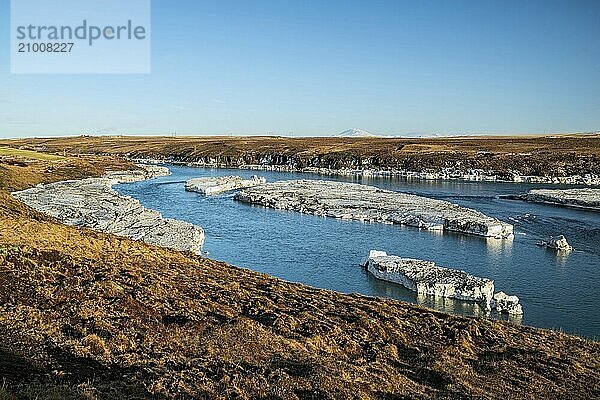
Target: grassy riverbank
(504,156)
(91,315)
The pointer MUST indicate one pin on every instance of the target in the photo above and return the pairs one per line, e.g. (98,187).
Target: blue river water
(559,291)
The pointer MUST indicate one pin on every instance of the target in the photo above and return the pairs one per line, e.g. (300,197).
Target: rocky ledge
(425,278)
(441,174)
(144,173)
(92,203)
(578,198)
(558,243)
(368,203)
(504,303)
(220,184)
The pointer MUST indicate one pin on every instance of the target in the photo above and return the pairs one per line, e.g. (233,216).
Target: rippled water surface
(557,291)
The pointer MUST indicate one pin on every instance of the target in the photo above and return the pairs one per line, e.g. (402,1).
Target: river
(559,291)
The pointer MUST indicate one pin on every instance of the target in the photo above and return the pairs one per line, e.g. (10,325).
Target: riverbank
(90,314)
(93,203)
(447,174)
(556,159)
(585,199)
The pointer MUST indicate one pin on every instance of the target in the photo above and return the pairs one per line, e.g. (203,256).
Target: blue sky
(320,67)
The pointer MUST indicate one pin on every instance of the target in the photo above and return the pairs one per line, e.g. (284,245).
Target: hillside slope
(91,315)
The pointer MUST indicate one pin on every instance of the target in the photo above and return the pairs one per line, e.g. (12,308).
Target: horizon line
(332,136)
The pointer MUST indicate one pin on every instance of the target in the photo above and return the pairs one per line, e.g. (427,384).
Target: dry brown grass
(27,154)
(557,155)
(18,173)
(91,315)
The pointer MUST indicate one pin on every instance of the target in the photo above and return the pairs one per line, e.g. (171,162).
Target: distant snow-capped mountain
(354,132)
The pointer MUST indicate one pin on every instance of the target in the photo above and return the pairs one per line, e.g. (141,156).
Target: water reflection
(515,319)
(438,303)
(437,232)
(452,305)
(562,257)
(499,248)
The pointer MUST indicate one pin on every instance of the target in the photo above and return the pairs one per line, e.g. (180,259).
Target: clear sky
(320,67)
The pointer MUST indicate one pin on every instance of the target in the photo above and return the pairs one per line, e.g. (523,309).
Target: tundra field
(91,315)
